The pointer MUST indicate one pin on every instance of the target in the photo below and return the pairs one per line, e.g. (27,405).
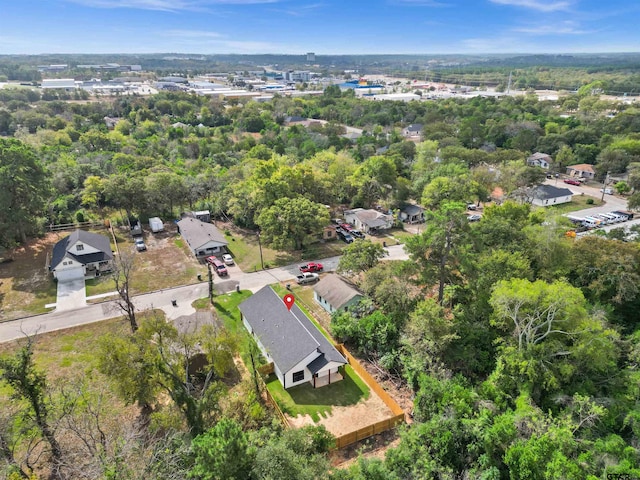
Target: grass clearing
(317,402)
(227,308)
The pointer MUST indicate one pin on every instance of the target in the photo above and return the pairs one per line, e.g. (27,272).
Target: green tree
(360,256)
(24,188)
(292,222)
(438,251)
(222,453)
(28,384)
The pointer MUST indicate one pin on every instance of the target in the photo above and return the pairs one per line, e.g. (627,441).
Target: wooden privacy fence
(73,226)
(355,364)
(368,431)
(378,427)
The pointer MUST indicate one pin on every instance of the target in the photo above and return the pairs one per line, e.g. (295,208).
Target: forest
(518,343)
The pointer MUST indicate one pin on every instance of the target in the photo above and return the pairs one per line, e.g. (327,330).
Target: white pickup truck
(307,277)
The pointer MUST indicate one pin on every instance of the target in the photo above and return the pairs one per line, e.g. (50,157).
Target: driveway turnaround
(71,295)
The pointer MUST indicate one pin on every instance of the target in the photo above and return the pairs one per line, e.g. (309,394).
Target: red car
(572,181)
(311,267)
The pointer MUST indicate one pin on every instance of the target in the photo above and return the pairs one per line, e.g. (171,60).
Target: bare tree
(123,270)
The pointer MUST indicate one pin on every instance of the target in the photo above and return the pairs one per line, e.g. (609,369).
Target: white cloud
(202,41)
(565,28)
(421,3)
(167,5)
(540,5)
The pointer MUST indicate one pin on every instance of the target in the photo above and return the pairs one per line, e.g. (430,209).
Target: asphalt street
(184,296)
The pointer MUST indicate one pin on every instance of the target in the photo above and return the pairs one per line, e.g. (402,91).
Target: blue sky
(321,26)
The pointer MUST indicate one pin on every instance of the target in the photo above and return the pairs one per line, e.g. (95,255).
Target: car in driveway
(307,277)
(572,181)
(140,246)
(227,259)
(311,267)
(218,265)
(357,234)
(608,191)
(344,236)
(474,218)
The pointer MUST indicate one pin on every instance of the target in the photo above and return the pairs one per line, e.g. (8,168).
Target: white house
(412,131)
(368,221)
(541,160)
(202,238)
(546,195)
(583,170)
(333,293)
(81,254)
(286,337)
(412,214)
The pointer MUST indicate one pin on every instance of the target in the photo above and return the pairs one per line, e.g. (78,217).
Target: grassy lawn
(246,252)
(227,308)
(578,202)
(317,402)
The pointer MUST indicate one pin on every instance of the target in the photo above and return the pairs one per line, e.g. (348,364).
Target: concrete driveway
(71,295)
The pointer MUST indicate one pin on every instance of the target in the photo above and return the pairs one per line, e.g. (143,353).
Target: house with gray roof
(299,352)
(203,238)
(412,214)
(81,254)
(546,195)
(334,293)
(368,221)
(541,160)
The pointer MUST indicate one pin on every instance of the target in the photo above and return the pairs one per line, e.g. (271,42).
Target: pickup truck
(311,267)
(307,277)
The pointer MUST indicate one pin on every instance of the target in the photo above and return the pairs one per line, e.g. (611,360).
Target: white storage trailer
(156,224)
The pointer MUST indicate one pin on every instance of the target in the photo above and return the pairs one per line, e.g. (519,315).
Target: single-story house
(203,238)
(583,170)
(334,293)
(412,131)
(368,221)
(288,339)
(541,160)
(412,214)
(81,254)
(545,195)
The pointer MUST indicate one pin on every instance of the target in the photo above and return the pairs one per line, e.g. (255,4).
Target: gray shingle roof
(197,233)
(413,209)
(95,240)
(288,336)
(336,290)
(545,192)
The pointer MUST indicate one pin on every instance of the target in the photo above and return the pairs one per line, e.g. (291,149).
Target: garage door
(71,274)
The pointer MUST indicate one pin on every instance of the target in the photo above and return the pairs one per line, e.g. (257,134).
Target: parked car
(344,236)
(357,234)
(218,265)
(474,218)
(346,226)
(227,259)
(608,191)
(311,267)
(307,277)
(572,181)
(472,206)
(140,246)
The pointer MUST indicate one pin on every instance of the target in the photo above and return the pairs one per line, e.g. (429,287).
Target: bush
(589,201)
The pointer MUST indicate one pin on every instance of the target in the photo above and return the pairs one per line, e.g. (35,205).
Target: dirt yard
(348,419)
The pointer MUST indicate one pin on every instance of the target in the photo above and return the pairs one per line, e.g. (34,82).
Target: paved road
(162,299)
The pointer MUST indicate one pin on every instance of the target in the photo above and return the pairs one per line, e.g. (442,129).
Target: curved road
(162,299)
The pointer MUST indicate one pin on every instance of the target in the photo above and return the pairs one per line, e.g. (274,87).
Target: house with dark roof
(368,221)
(412,131)
(203,238)
(334,293)
(541,160)
(81,254)
(412,214)
(299,352)
(545,195)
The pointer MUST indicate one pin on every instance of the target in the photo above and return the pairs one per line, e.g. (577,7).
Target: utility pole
(260,247)
(604,186)
(509,84)
(210,283)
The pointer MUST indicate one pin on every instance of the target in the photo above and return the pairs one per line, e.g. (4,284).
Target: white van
(591,222)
